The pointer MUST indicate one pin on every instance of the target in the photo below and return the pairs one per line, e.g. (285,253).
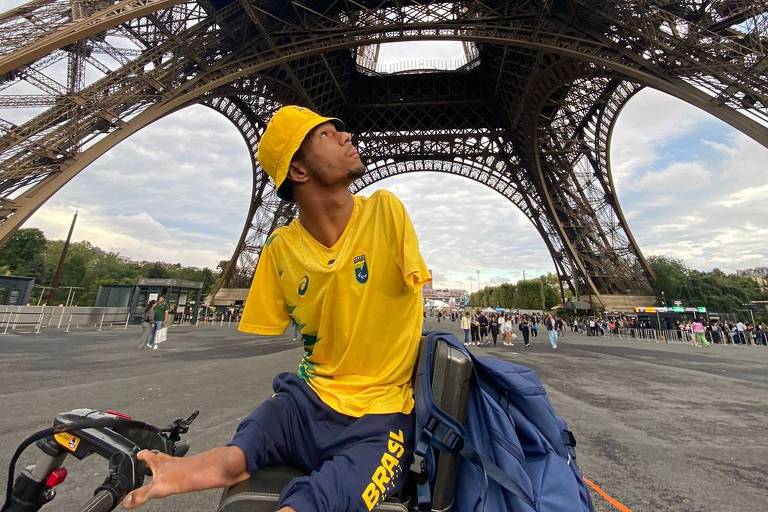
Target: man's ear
(297,172)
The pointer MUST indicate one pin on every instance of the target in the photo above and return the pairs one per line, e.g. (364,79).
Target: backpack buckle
(419,465)
(453,441)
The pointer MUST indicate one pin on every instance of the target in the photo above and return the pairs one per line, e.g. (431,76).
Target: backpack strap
(444,437)
(443,432)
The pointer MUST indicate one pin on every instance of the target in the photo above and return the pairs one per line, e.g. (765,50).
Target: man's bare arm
(219,467)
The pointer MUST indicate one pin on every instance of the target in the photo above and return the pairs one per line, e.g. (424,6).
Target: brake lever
(179,426)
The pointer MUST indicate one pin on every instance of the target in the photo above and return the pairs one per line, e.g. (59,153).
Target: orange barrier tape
(605,495)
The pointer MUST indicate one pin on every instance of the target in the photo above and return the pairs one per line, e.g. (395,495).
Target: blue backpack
(516,454)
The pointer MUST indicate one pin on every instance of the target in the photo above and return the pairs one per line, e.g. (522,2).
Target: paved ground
(661,428)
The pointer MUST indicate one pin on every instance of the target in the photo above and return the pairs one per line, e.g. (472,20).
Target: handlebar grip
(103,501)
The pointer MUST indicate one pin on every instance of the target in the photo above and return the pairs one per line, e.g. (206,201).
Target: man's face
(330,156)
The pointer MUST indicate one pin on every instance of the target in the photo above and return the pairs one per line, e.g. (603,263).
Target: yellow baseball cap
(284,134)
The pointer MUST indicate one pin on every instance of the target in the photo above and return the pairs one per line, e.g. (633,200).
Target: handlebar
(81,433)
(102,502)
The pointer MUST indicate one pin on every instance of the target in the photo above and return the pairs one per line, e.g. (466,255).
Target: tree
(671,277)
(551,288)
(530,294)
(156,271)
(507,295)
(24,252)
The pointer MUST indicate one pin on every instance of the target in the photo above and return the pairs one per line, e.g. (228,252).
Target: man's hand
(162,483)
(219,467)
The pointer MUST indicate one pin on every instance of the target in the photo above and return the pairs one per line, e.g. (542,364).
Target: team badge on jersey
(361,268)
(303,285)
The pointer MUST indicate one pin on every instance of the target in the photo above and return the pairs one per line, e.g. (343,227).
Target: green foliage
(718,291)
(23,254)
(551,290)
(86,266)
(530,294)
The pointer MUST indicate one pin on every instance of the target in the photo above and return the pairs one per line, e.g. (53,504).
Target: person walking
(525,329)
(551,327)
(161,317)
(534,326)
(466,326)
(699,333)
(147,325)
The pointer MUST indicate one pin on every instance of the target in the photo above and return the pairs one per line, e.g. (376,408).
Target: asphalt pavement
(659,427)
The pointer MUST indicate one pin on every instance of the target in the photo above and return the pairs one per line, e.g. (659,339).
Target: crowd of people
(485,329)
(698,331)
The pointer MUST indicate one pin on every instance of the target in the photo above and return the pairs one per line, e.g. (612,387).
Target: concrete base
(619,303)
(229,296)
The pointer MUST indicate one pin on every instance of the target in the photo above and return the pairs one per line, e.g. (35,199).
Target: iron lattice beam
(529,114)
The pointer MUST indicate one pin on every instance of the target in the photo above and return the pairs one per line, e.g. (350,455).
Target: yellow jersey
(358,305)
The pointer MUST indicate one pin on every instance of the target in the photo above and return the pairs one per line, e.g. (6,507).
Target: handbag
(161,335)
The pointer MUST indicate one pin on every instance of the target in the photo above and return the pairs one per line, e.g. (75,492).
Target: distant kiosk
(16,290)
(182,296)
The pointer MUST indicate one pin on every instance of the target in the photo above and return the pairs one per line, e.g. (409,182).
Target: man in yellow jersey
(349,273)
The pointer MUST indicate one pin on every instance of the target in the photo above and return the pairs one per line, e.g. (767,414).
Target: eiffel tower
(527,109)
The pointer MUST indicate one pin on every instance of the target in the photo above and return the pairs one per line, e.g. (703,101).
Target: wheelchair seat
(450,390)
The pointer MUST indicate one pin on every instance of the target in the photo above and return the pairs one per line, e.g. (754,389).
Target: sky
(178,191)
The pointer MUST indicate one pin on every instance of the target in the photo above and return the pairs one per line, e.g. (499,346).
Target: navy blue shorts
(353,463)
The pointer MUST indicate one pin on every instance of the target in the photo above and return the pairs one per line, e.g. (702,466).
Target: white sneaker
(154,348)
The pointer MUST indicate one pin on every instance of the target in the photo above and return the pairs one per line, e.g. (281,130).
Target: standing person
(740,329)
(147,325)
(551,326)
(525,329)
(482,320)
(161,317)
(349,406)
(534,326)
(466,326)
(494,325)
(475,329)
(699,333)
(506,330)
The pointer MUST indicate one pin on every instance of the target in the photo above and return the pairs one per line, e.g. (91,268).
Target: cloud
(177,191)
(705,204)
(683,176)
(463,226)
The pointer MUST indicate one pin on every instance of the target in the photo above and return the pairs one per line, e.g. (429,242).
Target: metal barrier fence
(685,337)
(37,318)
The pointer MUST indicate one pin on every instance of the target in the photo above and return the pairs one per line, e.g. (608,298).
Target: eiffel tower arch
(527,110)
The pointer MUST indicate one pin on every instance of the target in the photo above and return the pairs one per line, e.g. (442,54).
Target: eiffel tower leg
(267,211)
(572,167)
(533,205)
